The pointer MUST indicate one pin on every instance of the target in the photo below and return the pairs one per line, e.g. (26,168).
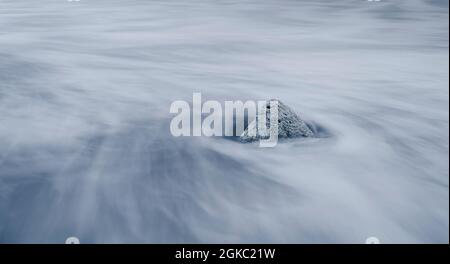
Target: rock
(290,125)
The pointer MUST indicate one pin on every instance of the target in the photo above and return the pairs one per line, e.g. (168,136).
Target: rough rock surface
(290,125)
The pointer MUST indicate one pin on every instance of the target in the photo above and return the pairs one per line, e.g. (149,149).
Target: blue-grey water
(85,147)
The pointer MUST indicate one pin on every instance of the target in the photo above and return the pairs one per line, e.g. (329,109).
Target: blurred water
(85,148)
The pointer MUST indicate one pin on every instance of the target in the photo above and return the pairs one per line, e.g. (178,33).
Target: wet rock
(290,125)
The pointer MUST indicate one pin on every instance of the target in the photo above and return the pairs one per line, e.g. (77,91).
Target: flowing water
(85,146)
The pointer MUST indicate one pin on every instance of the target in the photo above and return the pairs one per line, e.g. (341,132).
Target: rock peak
(290,125)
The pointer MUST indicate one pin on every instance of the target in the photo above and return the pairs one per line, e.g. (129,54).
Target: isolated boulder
(290,125)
